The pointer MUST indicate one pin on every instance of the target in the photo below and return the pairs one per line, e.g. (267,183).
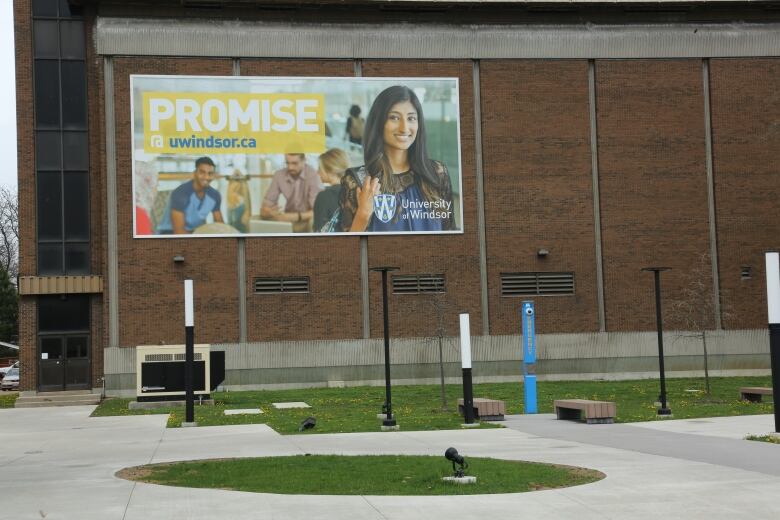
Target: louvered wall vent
(418,284)
(296,285)
(536,284)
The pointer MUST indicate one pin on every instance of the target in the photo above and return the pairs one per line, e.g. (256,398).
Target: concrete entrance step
(68,398)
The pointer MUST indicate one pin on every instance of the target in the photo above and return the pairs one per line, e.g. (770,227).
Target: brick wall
(745,97)
(25,139)
(332,309)
(28,343)
(653,183)
(25,136)
(538,194)
(96,339)
(538,187)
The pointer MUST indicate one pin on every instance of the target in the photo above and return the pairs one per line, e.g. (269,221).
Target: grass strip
(773,439)
(8,399)
(361,475)
(354,409)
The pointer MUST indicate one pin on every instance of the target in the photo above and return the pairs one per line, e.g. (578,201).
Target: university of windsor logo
(384,207)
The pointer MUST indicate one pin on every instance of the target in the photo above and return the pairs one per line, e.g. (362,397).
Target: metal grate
(158,357)
(149,358)
(296,285)
(183,357)
(536,284)
(418,284)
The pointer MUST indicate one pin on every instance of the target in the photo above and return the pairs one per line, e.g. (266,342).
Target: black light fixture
(308,424)
(453,456)
(541,253)
(659,324)
(178,259)
(387,408)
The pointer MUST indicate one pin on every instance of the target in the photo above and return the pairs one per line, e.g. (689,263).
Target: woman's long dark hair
(374,142)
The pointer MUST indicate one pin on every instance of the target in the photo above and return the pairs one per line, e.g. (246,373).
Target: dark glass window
(63,313)
(75,150)
(74,95)
(62,144)
(72,39)
(48,150)
(49,203)
(76,258)
(45,7)
(50,259)
(51,348)
(76,346)
(76,205)
(47,93)
(46,39)
(67,10)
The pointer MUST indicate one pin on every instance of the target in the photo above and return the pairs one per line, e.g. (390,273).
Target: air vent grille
(419,284)
(537,284)
(292,285)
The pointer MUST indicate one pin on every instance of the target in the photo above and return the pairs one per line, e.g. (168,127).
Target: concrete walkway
(715,440)
(58,463)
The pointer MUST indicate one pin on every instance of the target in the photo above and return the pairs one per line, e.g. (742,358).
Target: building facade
(596,139)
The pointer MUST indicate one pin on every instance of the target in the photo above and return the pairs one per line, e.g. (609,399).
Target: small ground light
(308,424)
(453,456)
(458,474)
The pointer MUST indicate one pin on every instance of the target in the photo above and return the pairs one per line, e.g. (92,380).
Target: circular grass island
(361,475)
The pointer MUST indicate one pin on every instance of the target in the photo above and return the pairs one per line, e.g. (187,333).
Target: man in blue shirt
(191,203)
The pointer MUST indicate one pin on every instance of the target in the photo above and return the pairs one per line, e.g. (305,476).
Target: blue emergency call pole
(529,356)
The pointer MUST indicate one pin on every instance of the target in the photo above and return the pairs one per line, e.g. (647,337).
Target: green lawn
(354,409)
(336,409)
(361,475)
(7,399)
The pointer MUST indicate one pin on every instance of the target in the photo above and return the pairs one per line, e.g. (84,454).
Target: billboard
(292,156)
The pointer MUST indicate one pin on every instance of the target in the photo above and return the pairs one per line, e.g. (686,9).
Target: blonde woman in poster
(332,165)
(410,191)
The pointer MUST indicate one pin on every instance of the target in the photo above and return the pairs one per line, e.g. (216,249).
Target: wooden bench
(486,409)
(753,393)
(593,412)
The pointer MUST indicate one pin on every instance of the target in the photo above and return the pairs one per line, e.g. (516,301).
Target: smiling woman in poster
(398,188)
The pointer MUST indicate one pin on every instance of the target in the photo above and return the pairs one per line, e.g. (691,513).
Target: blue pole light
(529,356)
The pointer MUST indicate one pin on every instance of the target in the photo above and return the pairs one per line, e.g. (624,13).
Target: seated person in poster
(239,201)
(333,164)
(191,203)
(300,184)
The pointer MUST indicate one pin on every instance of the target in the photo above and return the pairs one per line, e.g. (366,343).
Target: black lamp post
(389,419)
(664,410)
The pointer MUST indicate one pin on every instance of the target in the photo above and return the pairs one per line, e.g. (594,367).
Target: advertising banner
(270,156)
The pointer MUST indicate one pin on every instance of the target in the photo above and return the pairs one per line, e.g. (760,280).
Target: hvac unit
(160,371)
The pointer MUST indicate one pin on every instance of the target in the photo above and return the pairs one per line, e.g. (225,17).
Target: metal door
(63,362)
(51,363)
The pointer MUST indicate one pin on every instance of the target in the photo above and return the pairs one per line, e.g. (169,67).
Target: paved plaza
(58,463)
